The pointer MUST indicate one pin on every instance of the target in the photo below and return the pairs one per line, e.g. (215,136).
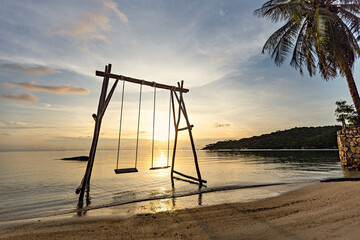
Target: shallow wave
(123,198)
(171,194)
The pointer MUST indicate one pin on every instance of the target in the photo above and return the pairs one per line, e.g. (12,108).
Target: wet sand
(318,211)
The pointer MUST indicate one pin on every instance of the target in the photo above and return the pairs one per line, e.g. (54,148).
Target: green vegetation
(295,138)
(346,114)
(319,34)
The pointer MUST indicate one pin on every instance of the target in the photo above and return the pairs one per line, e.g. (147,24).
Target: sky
(50,50)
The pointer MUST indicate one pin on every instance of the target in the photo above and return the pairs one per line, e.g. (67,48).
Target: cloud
(281,80)
(219,125)
(222,12)
(90,26)
(63,89)
(113,6)
(29,70)
(24,97)
(18,125)
(12,123)
(216,58)
(259,79)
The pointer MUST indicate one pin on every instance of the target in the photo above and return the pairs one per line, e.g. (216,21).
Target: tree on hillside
(321,34)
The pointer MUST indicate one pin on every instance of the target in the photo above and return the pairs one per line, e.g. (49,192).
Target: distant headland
(294,138)
(78,158)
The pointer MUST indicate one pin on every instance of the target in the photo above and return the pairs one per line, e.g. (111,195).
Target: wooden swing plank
(156,168)
(125,170)
(139,81)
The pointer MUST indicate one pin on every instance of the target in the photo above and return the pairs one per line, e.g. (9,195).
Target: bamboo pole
(108,98)
(106,83)
(183,108)
(190,177)
(176,126)
(140,81)
(173,107)
(193,147)
(87,175)
(187,180)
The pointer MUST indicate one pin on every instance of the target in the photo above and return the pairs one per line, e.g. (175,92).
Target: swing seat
(125,170)
(156,168)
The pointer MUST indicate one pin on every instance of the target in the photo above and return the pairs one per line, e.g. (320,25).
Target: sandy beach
(318,211)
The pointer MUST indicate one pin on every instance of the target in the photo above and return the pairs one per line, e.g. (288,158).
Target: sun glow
(161,160)
(161,127)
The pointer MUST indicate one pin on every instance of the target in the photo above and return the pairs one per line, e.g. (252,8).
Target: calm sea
(38,184)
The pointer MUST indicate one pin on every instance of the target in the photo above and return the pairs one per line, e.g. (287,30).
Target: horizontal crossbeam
(185,180)
(185,128)
(139,81)
(190,177)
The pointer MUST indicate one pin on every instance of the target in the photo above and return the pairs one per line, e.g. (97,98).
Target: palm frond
(280,43)
(352,20)
(321,34)
(281,10)
(349,41)
(298,56)
(309,52)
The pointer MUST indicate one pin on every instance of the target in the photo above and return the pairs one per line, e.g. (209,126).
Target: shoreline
(208,197)
(274,150)
(325,210)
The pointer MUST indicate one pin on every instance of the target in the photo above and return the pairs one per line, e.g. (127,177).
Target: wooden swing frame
(176,94)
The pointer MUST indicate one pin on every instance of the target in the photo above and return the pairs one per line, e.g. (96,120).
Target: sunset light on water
(137,119)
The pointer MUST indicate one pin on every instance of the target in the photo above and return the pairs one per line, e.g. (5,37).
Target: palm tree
(321,34)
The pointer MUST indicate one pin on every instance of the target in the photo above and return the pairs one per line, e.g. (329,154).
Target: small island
(295,138)
(78,158)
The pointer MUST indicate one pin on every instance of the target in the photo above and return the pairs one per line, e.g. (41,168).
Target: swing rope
(138,128)
(121,112)
(153,132)
(138,132)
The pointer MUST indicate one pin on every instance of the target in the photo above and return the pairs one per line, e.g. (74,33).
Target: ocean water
(38,184)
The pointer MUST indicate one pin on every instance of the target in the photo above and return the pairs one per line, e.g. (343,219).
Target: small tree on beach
(320,34)
(345,113)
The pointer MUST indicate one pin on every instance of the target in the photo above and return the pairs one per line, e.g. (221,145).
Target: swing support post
(182,111)
(104,100)
(103,103)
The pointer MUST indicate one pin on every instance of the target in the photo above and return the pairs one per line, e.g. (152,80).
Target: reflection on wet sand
(168,199)
(169,204)
(163,205)
(158,202)
(350,173)
(255,174)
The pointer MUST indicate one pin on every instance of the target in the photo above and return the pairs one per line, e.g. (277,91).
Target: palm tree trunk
(352,87)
